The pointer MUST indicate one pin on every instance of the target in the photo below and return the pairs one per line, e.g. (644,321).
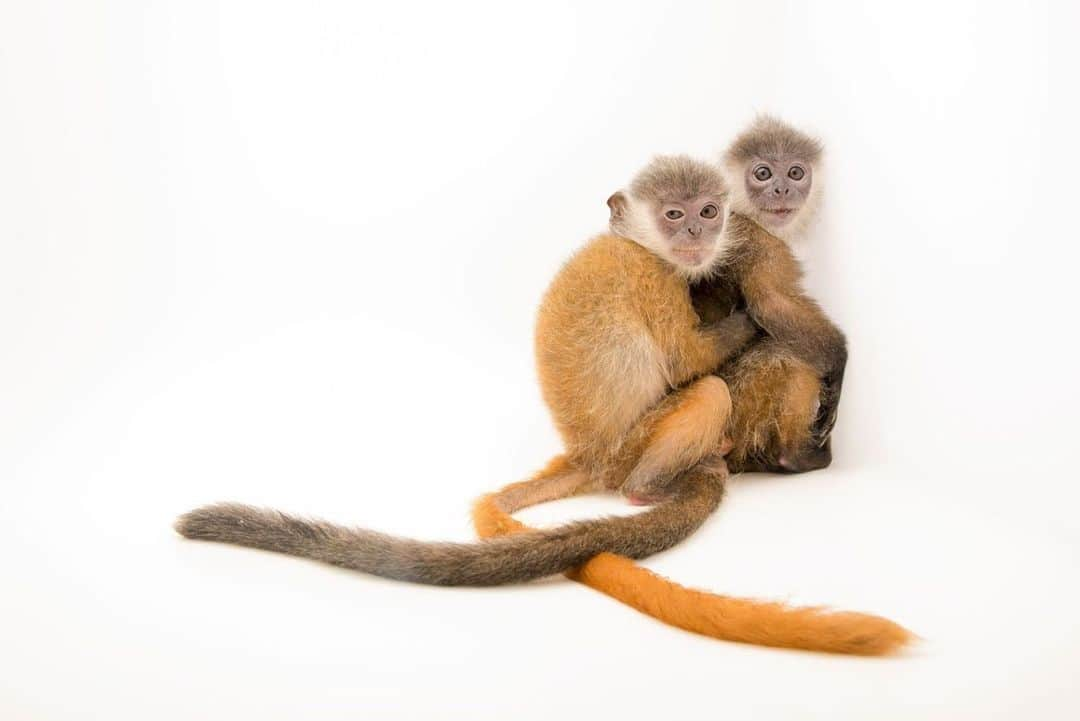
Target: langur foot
(808,458)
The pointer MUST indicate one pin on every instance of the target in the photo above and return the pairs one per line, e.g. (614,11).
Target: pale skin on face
(778,186)
(686,232)
(690,228)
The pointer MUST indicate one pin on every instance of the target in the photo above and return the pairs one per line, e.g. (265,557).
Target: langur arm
(702,349)
(730,335)
(777,303)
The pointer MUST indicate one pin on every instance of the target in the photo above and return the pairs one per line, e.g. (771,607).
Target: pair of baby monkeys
(675,347)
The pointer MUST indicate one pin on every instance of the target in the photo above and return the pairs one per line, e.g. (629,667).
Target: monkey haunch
(616,335)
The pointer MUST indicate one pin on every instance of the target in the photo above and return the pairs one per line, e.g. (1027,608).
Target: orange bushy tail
(732,619)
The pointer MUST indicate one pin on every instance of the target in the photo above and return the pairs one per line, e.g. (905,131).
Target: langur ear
(617,203)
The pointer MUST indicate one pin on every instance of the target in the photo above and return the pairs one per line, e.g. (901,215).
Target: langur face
(691,229)
(778,186)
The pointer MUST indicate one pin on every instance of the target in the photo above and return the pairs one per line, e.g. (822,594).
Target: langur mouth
(693,256)
(780,216)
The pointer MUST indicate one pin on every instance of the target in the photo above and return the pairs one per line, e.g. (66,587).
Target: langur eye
(673,214)
(710,211)
(762,172)
(796,173)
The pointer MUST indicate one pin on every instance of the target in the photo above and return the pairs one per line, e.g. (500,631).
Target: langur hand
(736,330)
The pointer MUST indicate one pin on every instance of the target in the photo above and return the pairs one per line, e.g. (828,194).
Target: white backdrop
(289,253)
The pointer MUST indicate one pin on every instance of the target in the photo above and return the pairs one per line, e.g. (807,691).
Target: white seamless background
(290,254)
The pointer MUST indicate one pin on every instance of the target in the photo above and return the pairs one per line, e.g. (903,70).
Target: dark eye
(674,214)
(796,173)
(762,172)
(710,211)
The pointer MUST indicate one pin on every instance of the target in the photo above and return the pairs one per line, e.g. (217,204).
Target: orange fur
(700,421)
(762,623)
(798,405)
(775,398)
(692,425)
(615,333)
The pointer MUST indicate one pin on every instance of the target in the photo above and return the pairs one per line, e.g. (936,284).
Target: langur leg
(775,399)
(680,431)
(684,427)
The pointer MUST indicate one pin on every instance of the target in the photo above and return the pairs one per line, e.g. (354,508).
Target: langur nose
(694,230)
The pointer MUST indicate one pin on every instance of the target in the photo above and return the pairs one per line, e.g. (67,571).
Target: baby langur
(785,387)
(617,334)
(623,365)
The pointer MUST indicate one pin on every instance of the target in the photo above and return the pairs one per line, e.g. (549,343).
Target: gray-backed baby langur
(624,367)
(785,386)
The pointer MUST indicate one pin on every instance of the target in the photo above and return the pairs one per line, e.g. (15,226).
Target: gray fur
(678,177)
(769,136)
(507,559)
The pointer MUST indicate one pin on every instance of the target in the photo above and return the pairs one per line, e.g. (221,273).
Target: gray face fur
(778,186)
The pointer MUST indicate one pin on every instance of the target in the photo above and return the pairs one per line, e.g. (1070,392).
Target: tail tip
(867,635)
(206,522)
(188,524)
